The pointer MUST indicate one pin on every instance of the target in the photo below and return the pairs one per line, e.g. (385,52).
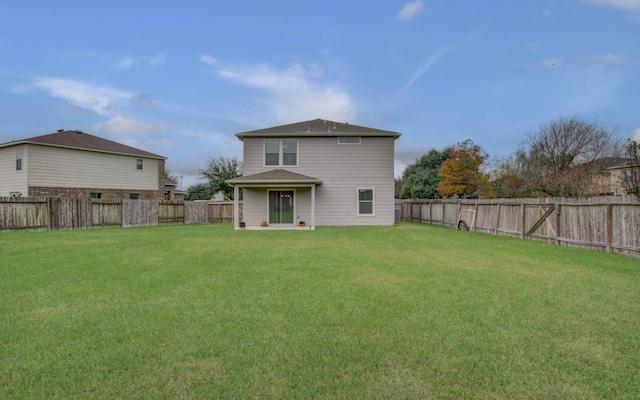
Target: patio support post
(313,206)
(236,207)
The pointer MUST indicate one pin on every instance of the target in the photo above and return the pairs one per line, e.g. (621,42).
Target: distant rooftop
(80,140)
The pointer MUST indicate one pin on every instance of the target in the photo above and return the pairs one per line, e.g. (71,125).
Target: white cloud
(159,58)
(434,58)
(410,10)
(615,59)
(636,135)
(100,99)
(125,63)
(549,63)
(631,7)
(627,5)
(129,61)
(126,125)
(143,100)
(533,45)
(208,60)
(295,92)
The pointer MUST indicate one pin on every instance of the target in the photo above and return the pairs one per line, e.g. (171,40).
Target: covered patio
(282,197)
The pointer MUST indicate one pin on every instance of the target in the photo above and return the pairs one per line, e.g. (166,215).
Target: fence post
(475,215)
(523,219)
(53,203)
(495,230)
(558,222)
(610,227)
(443,214)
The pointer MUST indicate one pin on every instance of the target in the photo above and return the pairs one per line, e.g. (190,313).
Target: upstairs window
(348,140)
(139,163)
(95,195)
(134,196)
(19,159)
(281,152)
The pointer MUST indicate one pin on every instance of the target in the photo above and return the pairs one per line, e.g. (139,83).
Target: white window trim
(349,137)
(373,201)
(280,153)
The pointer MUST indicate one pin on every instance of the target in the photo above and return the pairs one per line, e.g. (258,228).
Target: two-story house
(75,164)
(318,172)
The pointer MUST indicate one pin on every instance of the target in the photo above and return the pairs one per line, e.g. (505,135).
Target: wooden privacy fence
(610,224)
(62,214)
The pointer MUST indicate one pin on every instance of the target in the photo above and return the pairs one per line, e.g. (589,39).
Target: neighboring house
(319,172)
(171,191)
(615,180)
(612,175)
(74,164)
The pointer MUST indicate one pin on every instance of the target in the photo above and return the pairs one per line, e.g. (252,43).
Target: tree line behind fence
(611,223)
(62,214)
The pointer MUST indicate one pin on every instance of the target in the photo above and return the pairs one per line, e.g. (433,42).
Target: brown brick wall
(84,193)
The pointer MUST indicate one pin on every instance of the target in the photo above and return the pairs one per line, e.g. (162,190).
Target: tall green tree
(511,177)
(218,171)
(420,179)
(461,174)
(199,191)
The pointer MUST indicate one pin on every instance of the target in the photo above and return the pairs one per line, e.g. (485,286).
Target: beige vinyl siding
(255,205)
(342,170)
(60,167)
(10,179)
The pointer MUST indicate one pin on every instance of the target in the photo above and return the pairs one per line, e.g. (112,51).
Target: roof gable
(81,140)
(318,127)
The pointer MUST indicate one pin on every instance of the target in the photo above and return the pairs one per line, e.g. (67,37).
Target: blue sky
(181,78)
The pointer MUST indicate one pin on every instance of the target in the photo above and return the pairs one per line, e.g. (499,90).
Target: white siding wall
(60,167)
(343,169)
(10,179)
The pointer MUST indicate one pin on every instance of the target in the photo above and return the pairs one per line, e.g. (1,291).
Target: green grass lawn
(409,311)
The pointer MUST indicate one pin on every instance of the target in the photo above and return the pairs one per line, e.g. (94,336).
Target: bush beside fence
(611,224)
(62,214)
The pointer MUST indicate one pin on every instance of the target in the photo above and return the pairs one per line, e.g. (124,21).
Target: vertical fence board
(140,213)
(196,212)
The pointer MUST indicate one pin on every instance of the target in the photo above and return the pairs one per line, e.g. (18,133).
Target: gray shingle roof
(275,176)
(318,127)
(81,140)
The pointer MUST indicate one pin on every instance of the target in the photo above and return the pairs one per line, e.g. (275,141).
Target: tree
(175,178)
(460,173)
(632,172)
(199,191)
(556,150)
(420,179)
(512,177)
(218,171)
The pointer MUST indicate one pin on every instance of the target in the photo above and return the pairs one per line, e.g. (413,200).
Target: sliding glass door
(281,206)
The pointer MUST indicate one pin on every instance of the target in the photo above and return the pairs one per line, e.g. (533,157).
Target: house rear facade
(75,164)
(318,172)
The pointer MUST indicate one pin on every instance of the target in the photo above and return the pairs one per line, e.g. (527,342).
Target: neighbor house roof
(318,127)
(275,176)
(74,139)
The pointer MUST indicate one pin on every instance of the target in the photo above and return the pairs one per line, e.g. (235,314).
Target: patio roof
(275,176)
